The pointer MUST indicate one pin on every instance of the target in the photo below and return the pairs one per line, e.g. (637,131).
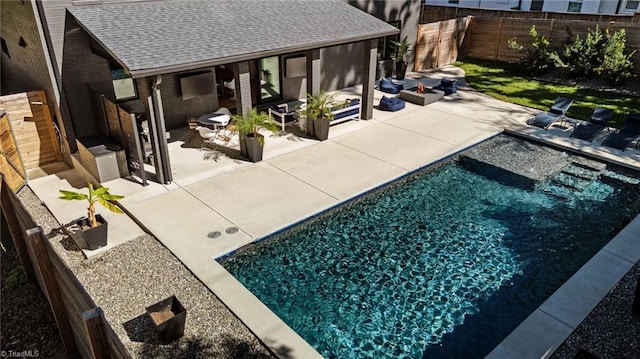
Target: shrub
(616,65)
(581,57)
(540,57)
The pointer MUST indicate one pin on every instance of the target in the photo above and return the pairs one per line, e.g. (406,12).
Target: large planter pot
(243,146)
(321,128)
(384,69)
(252,147)
(85,236)
(168,317)
(310,131)
(401,70)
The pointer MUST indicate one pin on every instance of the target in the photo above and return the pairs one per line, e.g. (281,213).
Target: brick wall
(26,67)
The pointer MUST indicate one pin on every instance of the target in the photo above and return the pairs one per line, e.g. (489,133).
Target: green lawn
(505,82)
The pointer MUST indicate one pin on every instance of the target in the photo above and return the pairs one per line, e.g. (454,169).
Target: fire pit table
(428,97)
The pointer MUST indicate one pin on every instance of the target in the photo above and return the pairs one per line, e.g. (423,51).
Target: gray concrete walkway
(309,177)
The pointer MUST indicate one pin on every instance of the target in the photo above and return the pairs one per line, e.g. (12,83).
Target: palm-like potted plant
(248,126)
(90,232)
(318,114)
(402,50)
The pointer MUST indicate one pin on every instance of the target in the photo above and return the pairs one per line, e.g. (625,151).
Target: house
(609,7)
(164,60)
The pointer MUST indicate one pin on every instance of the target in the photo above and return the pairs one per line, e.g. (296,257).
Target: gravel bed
(134,275)
(610,330)
(130,277)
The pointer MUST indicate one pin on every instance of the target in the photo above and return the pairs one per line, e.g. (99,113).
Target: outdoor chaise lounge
(598,121)
(555,113)
(629,132)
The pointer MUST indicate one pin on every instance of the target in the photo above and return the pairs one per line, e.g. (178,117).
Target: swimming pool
(444,263)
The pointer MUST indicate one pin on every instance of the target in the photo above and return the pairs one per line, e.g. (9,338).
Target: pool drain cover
(214,234)
(231,230)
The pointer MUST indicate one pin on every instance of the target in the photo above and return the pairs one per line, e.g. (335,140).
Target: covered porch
(171,71)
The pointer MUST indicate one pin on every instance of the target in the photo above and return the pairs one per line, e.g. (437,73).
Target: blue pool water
(443,264)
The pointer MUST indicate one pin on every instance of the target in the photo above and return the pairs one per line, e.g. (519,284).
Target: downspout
(56,81)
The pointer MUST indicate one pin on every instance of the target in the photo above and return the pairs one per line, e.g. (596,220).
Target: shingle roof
(157,37)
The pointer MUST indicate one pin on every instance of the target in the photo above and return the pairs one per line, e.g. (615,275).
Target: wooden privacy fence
(81,323)
(32,127)
(439,43)
(123,128)
(10,162)
(431,13)
(488,37)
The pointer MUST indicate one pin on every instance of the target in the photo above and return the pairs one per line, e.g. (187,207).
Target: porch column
(243,87)
(214,100)
(313,71)
(158,131)
(368,77)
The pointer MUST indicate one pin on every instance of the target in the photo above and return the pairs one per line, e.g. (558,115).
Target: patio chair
(208,136)
(597,122)
(387,85)
(629,132)
(555,113)
(392,104)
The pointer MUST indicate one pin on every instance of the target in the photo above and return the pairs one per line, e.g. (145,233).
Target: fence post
(499,38)
(37,240)
(93,323)
(14,228)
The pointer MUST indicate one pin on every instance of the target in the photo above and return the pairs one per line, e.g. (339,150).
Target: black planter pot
(243,147)
(384,69)
(321,128)
(252,146)
(172,327)
(88,238)
(310,130)
(401,70)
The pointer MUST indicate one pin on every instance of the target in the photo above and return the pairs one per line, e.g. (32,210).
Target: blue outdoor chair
(598,121)
(555,113)
(391,104)
(387,85)
(449,86)
(629,132)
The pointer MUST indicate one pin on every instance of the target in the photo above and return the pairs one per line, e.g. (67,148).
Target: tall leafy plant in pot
(248,126)
(402,50)
(90,232)
(318,114)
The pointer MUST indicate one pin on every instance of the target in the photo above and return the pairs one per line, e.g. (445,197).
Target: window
(454,2)
(5,49)
(22,42)
(536,5)
(633,5)
(123,85)
(574,6)
(385,45)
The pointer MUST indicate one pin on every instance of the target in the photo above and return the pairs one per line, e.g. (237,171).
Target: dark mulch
(27,325)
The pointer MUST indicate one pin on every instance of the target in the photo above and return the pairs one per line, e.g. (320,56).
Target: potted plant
(402,49)
(168,317)
(248,126)
(90,232)
(318,114)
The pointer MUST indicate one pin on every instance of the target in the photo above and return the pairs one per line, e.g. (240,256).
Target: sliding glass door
(269,79)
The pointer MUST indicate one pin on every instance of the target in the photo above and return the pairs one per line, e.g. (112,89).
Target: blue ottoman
(448,86)
(391,104)
(387,85)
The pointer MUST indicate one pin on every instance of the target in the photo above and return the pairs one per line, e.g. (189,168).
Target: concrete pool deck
(290,186)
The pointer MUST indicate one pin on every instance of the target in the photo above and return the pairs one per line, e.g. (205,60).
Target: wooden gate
(10,162)
(32,128)
(438,43)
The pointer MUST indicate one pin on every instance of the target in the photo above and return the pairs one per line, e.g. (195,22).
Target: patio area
(215,191)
